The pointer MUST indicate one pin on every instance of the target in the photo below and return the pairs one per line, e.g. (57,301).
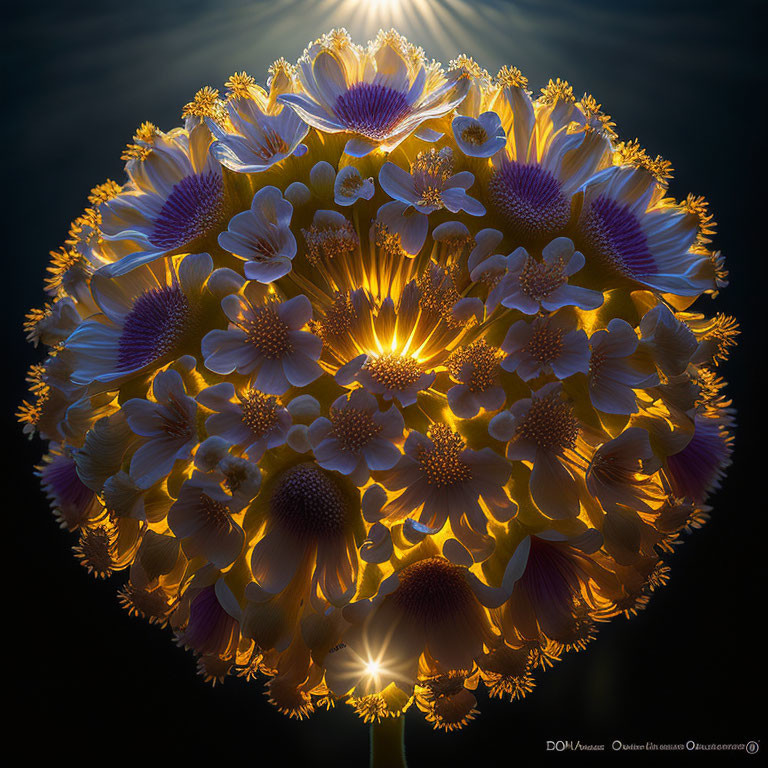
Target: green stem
(388,743)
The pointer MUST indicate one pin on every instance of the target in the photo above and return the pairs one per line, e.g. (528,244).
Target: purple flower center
(309,502)
(613,232)
(193,208)
(371,110)
(529,198)
(154,327)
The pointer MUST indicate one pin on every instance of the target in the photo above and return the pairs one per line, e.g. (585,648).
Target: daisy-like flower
(530,285)
(613,376)
(629,228)
(619,470)
(255,131)
(251,419)
(201,517)
(167,427)
(311,524)
(697,470)
(441,480)
(427,610)
(563,587)
(392,348)
(430,186)
(476,369)
(174,199)
(262,236)
(265,341)
(146,319)
(204,619)
(393,376)
(349,186)
(71,500)
(549,154)
(380,95)
(481,136)
(357,437)
(543,429)
(545,344)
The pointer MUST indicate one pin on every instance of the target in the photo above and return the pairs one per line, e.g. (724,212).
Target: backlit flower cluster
(383,381)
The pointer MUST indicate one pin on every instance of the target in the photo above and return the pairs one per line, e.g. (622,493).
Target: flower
(167,428)
(564,587)
(262,237)
(383,442)
(174,199)
(349,186)
(481,136)
(631,230)
(550,153)
(201,517)
(615,472)
(543,429)
(265,341)
(476,368)
(612,376)
(251,419)
(380,95)
(310,521)
(544,345)
(442,481)
(256,131)
(530,285)
(357,437)
(426,608)
(146,319)
(429,186)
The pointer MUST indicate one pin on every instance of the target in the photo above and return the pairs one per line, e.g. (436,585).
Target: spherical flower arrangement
(383,382)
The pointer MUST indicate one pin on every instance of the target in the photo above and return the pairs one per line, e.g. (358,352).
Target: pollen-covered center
(351,184)
(268,333)
(476,365)
(432,590)
(529,198)
(430,171)
(194,207)
(394,372)
(308,500)
(155,325)
(474,134)
(354,428)
(539,279)
(330,242)
(371,109)
(545,344)
(176,420)
(610,471)
(613,233)
(596,362)
(271,144)
(442,464)
(259,411)
(550,423)
(216,514)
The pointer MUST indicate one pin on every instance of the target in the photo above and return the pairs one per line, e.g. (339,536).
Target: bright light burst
(384,380)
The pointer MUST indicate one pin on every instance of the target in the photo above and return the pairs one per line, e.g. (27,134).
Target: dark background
(89,682)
